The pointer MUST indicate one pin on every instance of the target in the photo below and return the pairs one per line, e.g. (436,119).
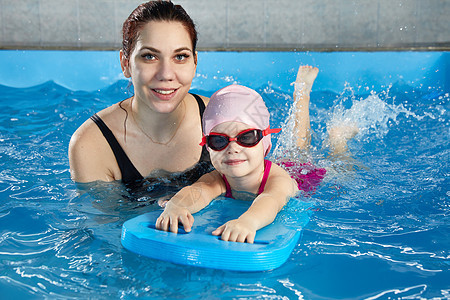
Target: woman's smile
(164,94)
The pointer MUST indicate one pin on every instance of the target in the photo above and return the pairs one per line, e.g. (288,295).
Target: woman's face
(161,65)
(235,160)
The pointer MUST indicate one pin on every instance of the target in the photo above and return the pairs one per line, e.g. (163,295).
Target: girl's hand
(172,216)
(237,231)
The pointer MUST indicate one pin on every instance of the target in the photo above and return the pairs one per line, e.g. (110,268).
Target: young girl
(237,135)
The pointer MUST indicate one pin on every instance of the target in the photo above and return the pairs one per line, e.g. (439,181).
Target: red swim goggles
(247,138)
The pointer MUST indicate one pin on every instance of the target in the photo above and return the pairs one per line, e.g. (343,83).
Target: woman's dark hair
(154,11)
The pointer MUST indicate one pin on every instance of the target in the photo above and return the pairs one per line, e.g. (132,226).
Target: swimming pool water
(380,225)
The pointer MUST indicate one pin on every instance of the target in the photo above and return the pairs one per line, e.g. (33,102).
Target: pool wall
(235,25)
(79,70)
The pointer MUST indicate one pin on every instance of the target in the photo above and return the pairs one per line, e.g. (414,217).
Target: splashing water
(371,115)
(286,146)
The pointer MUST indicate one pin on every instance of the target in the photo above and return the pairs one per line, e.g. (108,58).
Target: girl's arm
(190,200)
(279,189)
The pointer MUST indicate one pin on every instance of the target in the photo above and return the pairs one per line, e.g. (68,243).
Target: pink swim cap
(237,103)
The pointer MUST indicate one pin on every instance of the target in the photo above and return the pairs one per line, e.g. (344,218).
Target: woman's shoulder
(204,99)
(194,109)
(89,152)
(90,129)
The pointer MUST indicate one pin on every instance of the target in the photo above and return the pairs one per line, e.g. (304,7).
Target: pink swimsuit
(307,176)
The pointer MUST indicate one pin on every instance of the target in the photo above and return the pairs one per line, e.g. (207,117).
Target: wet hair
(154,11)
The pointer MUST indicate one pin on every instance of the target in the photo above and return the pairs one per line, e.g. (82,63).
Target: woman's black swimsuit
(131,176)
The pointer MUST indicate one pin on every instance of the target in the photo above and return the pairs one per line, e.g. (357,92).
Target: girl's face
(161,66)
(235,160)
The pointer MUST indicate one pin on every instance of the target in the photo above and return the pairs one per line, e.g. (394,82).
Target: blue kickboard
(272,247)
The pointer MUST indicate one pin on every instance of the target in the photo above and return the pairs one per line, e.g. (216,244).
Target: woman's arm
(190,200)
(279,189)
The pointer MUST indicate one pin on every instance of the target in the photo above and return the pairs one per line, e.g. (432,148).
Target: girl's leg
(303,84)
(338,135)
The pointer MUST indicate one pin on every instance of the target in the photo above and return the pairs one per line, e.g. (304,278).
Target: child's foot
(340,135)
(305,78)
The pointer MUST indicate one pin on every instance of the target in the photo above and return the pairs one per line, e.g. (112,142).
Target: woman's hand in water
(172,216)
(239,230)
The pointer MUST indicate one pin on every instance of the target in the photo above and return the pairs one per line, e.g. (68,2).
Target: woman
(157,131)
